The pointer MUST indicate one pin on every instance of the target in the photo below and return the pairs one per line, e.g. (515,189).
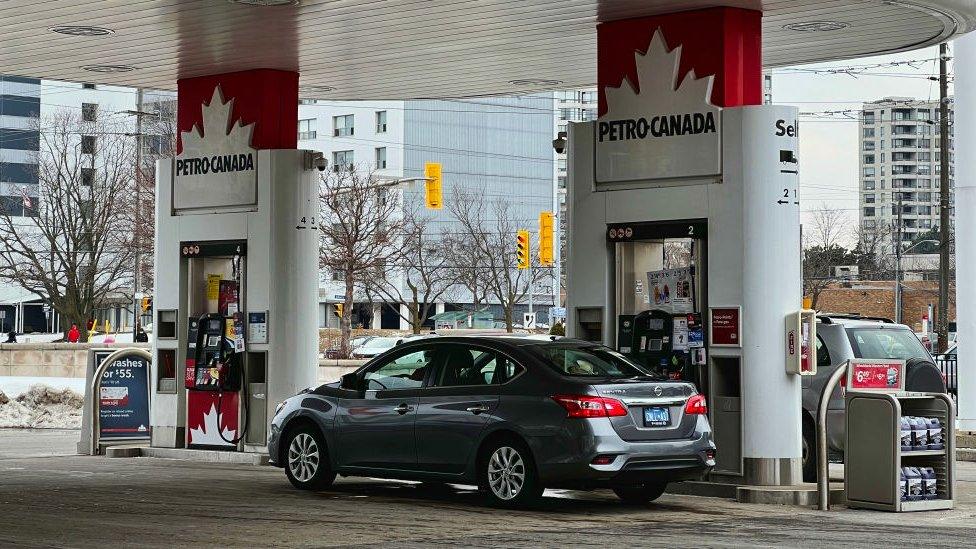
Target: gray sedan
(510,415)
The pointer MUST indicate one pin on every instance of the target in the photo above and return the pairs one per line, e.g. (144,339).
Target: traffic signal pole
(137,259)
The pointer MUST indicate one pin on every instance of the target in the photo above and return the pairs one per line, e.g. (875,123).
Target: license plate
(657,416)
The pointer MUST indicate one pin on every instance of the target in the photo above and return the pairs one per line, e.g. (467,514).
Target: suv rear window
(885,343)
(589,361)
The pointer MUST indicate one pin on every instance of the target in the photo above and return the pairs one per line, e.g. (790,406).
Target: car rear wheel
(306,461)
(641,493)
(809,457)
(508,476)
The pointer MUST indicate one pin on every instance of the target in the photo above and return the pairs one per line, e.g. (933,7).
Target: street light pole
(898,271)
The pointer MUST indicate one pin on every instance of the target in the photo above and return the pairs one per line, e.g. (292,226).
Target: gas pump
(216,365)
(216,360)
(652,338)
(664,342)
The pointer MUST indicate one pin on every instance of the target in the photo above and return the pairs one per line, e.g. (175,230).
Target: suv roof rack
(826,318)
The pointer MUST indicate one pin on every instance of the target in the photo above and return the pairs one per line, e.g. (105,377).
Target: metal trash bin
(874,456)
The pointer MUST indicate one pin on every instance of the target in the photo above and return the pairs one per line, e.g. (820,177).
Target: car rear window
(886,343)
(589,361)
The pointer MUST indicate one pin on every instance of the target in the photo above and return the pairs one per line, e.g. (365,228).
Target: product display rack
(873,454)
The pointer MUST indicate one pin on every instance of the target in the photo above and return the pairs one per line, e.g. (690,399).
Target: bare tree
(74,246)
(677,254)
(158,141)
(361,220)
(489,229)
(873,252)
(468,265)
(823,250)
(418,276)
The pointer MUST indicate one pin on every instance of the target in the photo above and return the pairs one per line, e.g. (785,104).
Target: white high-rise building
(900,159)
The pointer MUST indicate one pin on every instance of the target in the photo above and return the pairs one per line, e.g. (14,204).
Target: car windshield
(885,343)
(589,361)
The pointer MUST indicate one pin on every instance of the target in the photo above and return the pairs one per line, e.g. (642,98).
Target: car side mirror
(349,381)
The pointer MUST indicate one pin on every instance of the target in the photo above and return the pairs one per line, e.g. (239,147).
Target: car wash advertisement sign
(217,166)
(662,127)
(123,397)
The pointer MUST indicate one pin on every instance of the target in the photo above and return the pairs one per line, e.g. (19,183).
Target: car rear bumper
(566,460)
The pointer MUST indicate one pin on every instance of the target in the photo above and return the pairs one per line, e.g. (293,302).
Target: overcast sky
(829,147)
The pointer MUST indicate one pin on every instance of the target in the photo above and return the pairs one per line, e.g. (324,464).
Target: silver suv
(843,337)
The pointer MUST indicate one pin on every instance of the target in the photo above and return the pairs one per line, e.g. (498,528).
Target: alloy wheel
(303,457)
(506,473)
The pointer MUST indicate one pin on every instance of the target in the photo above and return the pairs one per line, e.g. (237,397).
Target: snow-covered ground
(14,386)
(41,402)
(38,338)
(99,338)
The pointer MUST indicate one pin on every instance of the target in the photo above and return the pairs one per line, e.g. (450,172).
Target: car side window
(823,355)
(497,368)
(468,366)
(406,371)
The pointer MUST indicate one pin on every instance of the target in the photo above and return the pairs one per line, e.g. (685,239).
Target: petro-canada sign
(217,167)
(669,130)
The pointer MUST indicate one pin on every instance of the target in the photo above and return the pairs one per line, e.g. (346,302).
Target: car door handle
(479,409)
(402,409)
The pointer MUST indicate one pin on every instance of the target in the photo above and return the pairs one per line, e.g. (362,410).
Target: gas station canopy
(400,49)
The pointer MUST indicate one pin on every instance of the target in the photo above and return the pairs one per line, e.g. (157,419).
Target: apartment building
(900,168)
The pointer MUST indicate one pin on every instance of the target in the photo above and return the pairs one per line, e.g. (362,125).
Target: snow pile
(42,407)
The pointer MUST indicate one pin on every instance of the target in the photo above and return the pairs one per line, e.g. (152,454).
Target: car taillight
(696,405)
(590,406)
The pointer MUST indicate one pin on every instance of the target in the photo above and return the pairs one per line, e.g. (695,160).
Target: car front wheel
(508,476)
(640,494)
(306,461)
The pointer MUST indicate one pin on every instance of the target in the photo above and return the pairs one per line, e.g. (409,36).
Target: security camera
(320,162)
(315,160)
(559,143)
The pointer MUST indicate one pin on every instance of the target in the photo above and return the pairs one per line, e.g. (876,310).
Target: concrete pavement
(22,443)
(81,501)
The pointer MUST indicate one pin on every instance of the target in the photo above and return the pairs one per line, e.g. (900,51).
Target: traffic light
(146,304)
(522,249)
(337,307)
(432,173)
(546,235)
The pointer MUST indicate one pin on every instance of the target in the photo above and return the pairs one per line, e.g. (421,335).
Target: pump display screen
(213,325)
(655,323)
(213,340)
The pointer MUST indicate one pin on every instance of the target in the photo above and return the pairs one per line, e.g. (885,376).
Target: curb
(206,456)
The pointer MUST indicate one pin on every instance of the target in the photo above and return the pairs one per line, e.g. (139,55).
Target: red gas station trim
(725,42)
(266,97)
